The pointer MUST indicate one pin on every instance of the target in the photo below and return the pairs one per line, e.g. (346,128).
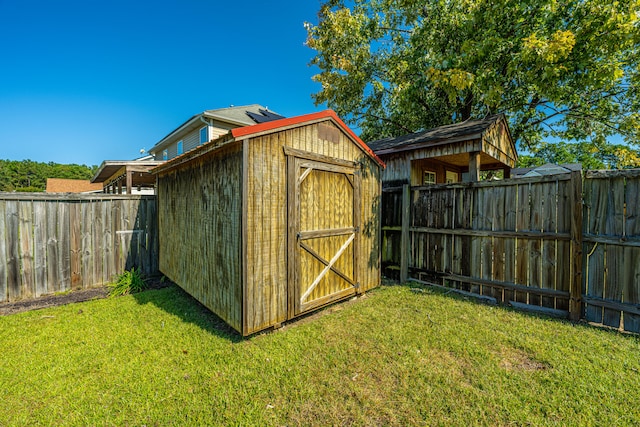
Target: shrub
(129,282)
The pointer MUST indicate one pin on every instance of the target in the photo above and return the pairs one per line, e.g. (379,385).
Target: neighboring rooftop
(61,185)
(469,129)
(245,115)
(546,169)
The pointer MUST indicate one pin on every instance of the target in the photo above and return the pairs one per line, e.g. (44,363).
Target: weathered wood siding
(200,217)
(57,242)
(266,216)
(497,144)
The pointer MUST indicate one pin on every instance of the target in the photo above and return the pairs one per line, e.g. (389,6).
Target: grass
(398,356)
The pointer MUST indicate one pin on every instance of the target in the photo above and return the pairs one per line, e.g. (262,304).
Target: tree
(561,70)
(27,175)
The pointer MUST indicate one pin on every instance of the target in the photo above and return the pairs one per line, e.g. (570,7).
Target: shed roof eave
(246,132)
(209,147)
(428,144)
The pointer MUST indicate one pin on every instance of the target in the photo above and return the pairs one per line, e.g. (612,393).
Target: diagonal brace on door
(304,175)
(317,256)
(327,268)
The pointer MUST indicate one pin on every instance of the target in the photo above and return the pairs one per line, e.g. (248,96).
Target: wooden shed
(271,221)
(448,154)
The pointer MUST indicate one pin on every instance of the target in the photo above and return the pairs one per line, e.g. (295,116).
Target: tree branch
(385,119)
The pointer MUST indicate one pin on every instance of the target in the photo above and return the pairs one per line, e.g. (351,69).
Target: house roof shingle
(60,185)
(470,129)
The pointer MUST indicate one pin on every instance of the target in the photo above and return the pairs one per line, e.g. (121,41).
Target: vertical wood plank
(97,242)
(40,247)
(614,226)
(511,199)
(523,220)
(535,245)
(86,251)
(52,246)
(14,279)
(632,287)
(26,250)
(4,294)
(632,255)
(75,244)
(575,302)
(404,239)
(549,225)
(108,270)
(64,252)
(244,238)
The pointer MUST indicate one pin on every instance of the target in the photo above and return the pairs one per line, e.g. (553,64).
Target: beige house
(207,126)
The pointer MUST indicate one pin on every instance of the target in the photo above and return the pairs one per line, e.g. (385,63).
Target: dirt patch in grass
(82,295)
(516,360)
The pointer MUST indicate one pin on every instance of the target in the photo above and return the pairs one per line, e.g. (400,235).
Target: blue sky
(87,81)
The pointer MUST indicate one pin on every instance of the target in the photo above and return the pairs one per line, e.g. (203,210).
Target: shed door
(323,230)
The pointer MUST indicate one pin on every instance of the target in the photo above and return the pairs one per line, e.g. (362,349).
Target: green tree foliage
(27,175)
(561,70)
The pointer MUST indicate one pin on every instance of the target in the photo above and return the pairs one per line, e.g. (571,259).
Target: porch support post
(474,166)
(404,236)
(129,180)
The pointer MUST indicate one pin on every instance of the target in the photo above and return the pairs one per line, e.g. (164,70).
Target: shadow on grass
(173,300)
(426,289)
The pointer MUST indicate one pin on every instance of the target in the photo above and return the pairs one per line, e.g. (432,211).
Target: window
(451,177)
(180,148)
(165,155)
(204,134)
(428,177)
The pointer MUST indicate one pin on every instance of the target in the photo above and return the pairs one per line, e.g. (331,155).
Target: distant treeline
(27,175)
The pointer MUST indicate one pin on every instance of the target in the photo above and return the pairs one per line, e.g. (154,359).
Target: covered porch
(127,177)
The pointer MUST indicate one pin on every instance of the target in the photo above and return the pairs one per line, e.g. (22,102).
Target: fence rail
(53,243)
(534,242)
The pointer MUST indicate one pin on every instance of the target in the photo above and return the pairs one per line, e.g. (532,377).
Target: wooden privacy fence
(56,242)
(612,248)
(533,242)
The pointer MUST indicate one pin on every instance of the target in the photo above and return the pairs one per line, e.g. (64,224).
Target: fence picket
(3,254)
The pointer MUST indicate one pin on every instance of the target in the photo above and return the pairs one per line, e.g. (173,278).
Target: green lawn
(398,356)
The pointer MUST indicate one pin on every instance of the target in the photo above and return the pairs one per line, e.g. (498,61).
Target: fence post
(575,300)
(404,236)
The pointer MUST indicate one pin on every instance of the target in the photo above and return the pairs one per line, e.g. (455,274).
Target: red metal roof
(299,120)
